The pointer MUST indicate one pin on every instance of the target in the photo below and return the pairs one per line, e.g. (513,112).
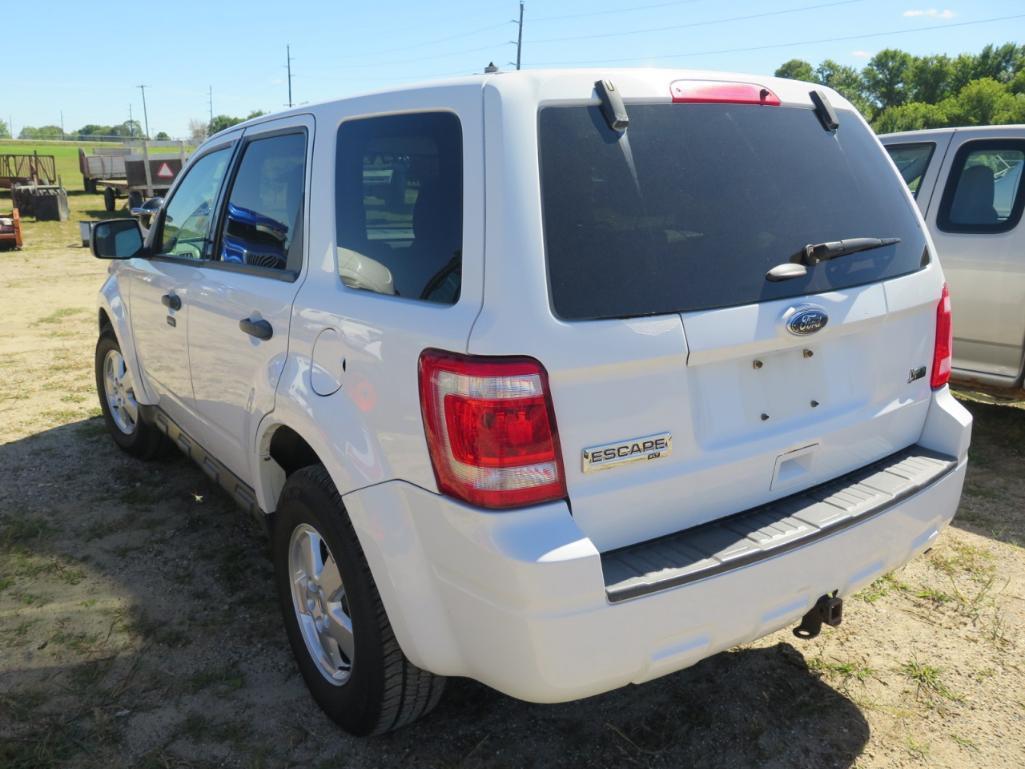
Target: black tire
(134,199)
(384,690)
(109,199)
(90,186)
(145,441)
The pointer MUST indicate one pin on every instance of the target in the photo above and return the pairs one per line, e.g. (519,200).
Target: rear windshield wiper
(814,253)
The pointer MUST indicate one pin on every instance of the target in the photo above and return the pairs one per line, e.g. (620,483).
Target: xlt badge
(623,452)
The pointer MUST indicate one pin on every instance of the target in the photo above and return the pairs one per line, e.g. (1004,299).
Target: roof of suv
(544,84)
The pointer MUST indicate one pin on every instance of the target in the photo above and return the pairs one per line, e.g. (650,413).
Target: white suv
(557,380)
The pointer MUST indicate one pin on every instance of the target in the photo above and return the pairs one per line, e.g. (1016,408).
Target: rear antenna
(824,110)
(612,107)
(490,69)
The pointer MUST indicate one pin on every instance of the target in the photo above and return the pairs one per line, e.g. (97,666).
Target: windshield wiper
(815,253)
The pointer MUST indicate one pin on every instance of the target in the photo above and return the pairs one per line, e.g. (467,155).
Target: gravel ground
(138,626)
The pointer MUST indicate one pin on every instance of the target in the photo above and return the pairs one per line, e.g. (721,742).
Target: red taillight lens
(491,429)
(942,356)
(716,92)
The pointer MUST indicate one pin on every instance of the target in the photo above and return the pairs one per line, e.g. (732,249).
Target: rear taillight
(491,429)
(716,92)
(943,351)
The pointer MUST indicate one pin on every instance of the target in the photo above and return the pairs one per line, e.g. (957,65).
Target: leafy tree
(255,113)
(997,62)
(162,136)
(901,92)
(913,116)
(930,78)
(42,132)
(796,69)
(887,75)
(845,80)
(220,122)
(5,132)
(984,102)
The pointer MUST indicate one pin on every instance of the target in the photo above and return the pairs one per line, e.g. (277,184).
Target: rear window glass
(911,160)
(696,202)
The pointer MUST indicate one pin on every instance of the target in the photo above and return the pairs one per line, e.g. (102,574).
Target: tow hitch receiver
(828,609)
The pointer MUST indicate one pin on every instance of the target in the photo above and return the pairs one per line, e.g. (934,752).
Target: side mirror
(117,239)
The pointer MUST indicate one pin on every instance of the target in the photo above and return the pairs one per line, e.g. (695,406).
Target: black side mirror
(117,239)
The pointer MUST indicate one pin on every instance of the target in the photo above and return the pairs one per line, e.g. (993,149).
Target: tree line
(897,91)
(90,132)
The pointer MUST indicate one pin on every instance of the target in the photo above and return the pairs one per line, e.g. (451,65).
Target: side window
(188,215)
(264,210)
(984,189)
(399,205)
(912,160)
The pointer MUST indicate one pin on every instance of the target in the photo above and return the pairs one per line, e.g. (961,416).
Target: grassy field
(65,156)
(138,625)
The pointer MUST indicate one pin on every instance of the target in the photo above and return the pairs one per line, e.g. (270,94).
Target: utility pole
(519,36)
(62,125)
(145,114)
(131,123)
(211,105)
(288,66)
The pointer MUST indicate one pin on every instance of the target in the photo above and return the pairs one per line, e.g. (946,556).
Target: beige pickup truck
(969,185)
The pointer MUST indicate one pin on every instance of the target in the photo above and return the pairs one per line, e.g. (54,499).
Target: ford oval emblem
(807,320)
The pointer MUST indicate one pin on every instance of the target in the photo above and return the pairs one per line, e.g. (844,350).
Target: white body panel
(516,599)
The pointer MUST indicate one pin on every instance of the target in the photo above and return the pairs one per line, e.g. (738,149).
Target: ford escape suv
(559,380)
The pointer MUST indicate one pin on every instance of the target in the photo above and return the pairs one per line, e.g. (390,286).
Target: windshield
(692,206)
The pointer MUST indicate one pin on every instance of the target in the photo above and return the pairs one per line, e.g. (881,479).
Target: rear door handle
(171,301)
(261,329)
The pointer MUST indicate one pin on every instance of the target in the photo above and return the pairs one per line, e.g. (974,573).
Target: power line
(708,22)
(431,42)
(783,45)
(611,11)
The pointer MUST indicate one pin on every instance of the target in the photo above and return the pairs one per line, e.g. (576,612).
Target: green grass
(926,678)
(65,156)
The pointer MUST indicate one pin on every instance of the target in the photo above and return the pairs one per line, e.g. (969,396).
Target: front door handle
(261,329)
(171,301)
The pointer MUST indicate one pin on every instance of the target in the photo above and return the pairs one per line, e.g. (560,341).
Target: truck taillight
(491,429)
(943,351)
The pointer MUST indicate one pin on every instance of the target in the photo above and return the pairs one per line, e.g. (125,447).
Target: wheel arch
(281,450)
(112,317)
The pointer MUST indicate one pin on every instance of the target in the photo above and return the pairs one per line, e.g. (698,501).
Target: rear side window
(399,205)
(264,210)
(696,202)
(984,188)
(912,160)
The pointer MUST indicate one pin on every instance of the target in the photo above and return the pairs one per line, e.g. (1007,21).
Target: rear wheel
(109,199)
(336,623)
(121,413)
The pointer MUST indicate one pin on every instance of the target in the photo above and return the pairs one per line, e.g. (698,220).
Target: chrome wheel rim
(321,605)
(119,392)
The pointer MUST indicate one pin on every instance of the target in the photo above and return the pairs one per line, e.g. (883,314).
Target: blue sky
(86,59)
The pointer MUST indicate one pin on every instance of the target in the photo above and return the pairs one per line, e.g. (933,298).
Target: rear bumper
(518,600)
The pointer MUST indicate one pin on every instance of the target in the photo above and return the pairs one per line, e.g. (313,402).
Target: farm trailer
(131,171)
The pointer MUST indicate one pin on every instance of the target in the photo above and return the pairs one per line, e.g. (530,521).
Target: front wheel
(336,623)
(116,387)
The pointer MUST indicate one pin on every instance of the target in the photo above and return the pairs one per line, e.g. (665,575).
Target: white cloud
(861,54)
(931,13)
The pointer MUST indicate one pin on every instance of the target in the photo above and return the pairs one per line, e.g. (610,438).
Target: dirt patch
(138,626)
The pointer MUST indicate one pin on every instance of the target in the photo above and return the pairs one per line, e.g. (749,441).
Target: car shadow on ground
(138,626)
